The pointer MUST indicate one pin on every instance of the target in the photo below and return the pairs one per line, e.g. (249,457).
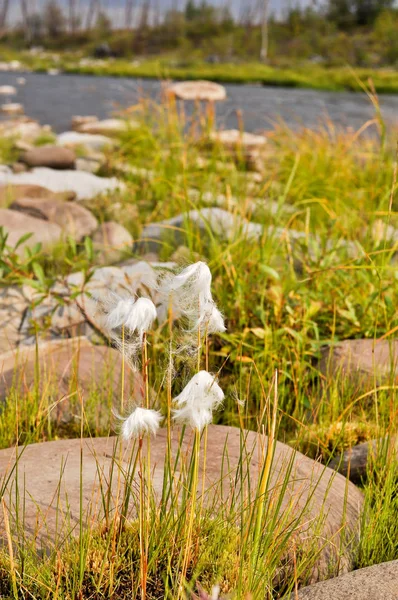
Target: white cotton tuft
(118,316)
(136,316)
(141,317)
(141,420)
(197,401)
(211,320)
(197,418)
(197,277)
(190,295)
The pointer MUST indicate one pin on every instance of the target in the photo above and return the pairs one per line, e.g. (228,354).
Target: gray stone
(75,220)
(361,363)
(52,157)
(315,495)
(89,141)
(17,224)
(219,221)
(88,164)
(379,582)
(354,462)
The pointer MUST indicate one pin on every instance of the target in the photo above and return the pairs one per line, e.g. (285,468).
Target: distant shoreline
(309,77)
(303,75)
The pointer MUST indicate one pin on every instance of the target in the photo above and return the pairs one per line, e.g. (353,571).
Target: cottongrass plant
(186,297)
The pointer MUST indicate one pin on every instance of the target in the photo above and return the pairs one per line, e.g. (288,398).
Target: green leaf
(88,244)
(22,240)
(38,271)
(270,272)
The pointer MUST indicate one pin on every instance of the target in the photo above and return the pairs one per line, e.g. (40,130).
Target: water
(54,99)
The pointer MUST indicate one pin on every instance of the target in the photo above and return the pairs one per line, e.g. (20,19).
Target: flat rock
(107,127)
(312,490)
(79,120)
(10,193)
(379,582)
(361,362)
(112,240)
(74,220)
(53,157)
(84,185)
(17,224)
(62,363)
(8,90)
(232,138)
(12,108)
(24,129)
(73,139)
(198,90)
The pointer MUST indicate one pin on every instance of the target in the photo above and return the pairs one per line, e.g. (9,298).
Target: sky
(116,7)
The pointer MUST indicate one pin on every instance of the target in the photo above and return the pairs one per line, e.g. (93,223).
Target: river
(54,99)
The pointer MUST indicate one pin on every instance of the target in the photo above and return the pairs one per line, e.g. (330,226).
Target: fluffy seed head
(141,420)
(197,401)
(141,316)
(118,316)
(190,294)
(136,316)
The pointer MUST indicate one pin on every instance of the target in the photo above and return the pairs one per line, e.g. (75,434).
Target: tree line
(342,30)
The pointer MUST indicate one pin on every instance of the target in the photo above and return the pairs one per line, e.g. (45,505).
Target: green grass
(282,300)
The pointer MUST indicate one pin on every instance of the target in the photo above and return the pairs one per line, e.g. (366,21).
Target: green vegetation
(283,297)
(306,48)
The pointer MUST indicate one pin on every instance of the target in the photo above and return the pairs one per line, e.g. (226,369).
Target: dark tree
(53,19)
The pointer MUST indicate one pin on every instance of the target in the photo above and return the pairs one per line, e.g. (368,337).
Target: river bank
(306,75)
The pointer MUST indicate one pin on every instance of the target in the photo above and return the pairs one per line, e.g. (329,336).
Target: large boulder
(70,370)
(53,157)
(16,225)
(361,363)
(318,506)
(379,582)
(74,220)
(84,185)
